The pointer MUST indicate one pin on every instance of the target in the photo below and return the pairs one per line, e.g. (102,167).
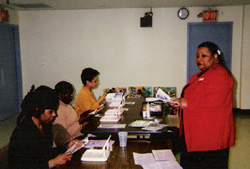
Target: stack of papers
(158,159)
(110,118)
(148,125)
(114,112)
(97,154)
(112,115)
(115,104)
(111,97)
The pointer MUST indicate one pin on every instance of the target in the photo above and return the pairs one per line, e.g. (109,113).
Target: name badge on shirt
(201,79)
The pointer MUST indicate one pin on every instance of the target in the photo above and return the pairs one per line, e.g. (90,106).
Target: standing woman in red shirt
(207,126)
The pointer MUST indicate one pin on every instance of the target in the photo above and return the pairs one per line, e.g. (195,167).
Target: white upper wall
(57,45)
(245,76)
(13,16)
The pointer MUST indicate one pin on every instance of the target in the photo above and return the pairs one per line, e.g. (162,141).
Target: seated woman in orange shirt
(85,99)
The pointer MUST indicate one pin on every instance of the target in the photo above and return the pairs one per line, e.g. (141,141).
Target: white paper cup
(123,139)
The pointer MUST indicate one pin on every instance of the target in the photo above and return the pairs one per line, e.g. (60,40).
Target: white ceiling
(105,4)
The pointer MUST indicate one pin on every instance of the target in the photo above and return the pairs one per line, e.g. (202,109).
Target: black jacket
(29,149)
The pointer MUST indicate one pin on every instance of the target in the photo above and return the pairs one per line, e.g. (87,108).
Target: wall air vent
(33,6)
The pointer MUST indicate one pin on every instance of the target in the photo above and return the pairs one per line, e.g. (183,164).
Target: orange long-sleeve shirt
(85,101)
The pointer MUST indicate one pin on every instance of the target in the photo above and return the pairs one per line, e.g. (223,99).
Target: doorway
(218,32)
(10,71)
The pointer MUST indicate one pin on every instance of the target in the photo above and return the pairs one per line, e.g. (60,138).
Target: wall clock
(183,13)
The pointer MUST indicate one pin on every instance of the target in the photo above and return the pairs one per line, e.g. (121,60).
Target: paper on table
(146,158)
(151,99)
(125,109)
(128,102)
(140,123)
(163,155)
(162,165)
(112,126)
(154,127)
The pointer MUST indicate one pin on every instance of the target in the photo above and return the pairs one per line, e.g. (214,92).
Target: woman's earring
(218,52)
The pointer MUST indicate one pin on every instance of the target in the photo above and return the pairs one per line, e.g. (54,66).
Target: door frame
(17,62)
(224,41)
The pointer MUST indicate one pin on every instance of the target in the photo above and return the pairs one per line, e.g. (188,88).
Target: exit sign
(4,16)
(210,16)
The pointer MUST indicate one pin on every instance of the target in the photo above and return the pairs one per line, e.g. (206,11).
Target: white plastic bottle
(148,111)
(144,112)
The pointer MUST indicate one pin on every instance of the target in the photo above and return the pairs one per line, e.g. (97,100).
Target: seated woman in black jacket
(31,143)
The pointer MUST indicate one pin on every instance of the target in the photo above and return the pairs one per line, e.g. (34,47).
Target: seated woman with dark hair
(85,99)
(66,115)
(31,142)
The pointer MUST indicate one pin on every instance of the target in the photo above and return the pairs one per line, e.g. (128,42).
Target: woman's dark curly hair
(42,98)
(214,49)
(63,87)
(88,74)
